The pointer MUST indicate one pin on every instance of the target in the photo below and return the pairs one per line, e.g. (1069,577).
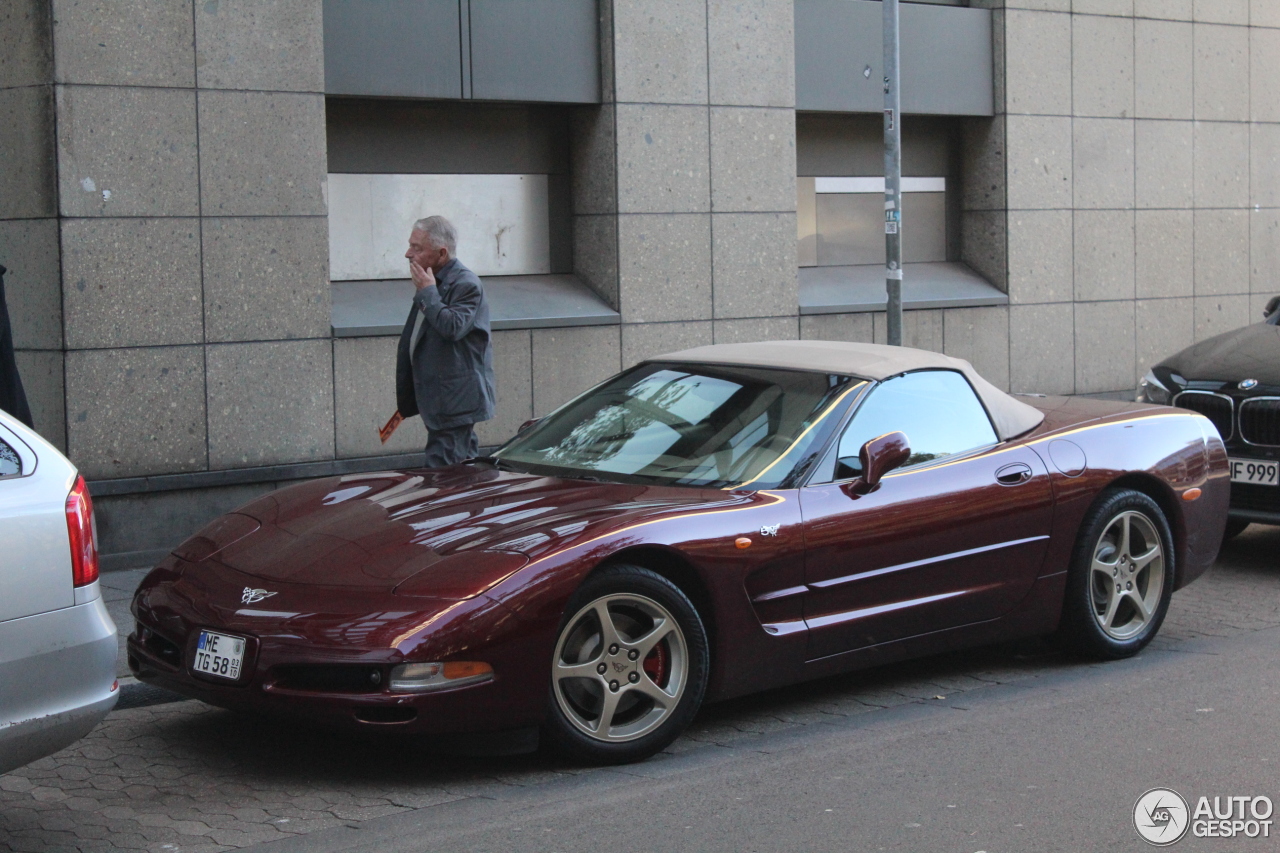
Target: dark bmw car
(1233,379)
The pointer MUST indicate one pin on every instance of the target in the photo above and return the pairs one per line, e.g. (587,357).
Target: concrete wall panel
(567,362)
(1103,159)
(1164,326)
(664,267)
(127,151)
(855,328)
(1221,73)
(646,340)
(1039,162)
(1217,314)
(42,380)
(266,278)
(762,329)
(1102,66)
(1037,62)
(1163,68)
(1164,241)
(26,43)
(1264,157)
(752,52)
(1104,346)
(1104,246)
(27,169)
(1040,256)
(270,403)
(125,44)
(1264,265)
(1221,252)
(662,159)
(364,396)
(662,58)
(1042,348)
(753,156)
(132,412)
(1221,148)
(131,282)
(513,369)
(277,45)
(754,264)
(33,283)
(1163,164)
(981,337)
(262,154)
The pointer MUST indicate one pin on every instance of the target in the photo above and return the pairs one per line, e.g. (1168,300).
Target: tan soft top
(869,361)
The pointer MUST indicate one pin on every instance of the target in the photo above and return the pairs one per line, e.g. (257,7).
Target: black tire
(1094,626)
(631,721)
(1235,526)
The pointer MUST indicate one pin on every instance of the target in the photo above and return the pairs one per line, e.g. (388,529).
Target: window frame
(26,456)
(823,472)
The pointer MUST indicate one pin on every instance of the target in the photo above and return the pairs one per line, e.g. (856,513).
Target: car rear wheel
(629,668)
(1121,577)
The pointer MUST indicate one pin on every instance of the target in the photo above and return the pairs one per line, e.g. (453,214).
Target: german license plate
(219,654)
(1259,471)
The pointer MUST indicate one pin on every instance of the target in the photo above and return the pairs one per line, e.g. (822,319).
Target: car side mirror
(529,423)
(879,456)
(1273,304)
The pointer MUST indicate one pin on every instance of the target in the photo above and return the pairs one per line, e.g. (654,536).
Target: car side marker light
(742,542)
(1191,494)
(425,677)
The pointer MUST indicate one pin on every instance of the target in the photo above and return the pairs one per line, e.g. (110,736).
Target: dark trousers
(451,446)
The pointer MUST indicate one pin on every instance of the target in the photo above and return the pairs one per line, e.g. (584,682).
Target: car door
(954,536)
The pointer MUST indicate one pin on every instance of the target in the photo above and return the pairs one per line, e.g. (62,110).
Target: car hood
(1252,352)
(445,534)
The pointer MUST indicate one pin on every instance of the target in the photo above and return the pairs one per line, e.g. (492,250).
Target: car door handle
(1012,475)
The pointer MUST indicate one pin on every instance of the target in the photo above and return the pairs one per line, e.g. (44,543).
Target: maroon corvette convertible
(706,524)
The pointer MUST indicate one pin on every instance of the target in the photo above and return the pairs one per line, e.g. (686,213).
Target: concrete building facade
(171,168)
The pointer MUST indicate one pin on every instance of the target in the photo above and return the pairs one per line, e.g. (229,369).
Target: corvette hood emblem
(253,596)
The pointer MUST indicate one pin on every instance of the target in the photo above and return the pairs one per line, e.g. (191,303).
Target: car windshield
(689,424)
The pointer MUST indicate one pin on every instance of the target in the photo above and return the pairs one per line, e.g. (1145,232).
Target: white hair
(441,232)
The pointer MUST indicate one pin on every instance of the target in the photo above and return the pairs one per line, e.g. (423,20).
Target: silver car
(57,643)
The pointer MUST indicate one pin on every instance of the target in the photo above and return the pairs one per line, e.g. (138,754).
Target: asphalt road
(1002,749)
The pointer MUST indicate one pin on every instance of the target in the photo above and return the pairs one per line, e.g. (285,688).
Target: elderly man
(444,365)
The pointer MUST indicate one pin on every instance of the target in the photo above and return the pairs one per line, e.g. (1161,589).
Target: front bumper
(314,655)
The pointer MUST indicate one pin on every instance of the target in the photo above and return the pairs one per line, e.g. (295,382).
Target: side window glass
(10,462)
(937,409)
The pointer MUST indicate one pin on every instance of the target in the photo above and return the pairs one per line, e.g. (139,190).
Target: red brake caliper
(655,664)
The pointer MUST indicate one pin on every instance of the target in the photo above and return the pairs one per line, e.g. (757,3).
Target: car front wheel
(1121,577)
(629,668)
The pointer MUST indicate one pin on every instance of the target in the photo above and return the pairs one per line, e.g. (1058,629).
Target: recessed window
(845,225)
(10,461)
(840,190)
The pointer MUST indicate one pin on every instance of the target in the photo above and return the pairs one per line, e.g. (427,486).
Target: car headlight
(1150,390)
(425,677)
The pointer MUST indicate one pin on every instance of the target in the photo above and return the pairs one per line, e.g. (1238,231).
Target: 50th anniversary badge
(1162,817)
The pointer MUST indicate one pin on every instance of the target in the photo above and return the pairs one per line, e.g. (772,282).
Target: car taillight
(80,529)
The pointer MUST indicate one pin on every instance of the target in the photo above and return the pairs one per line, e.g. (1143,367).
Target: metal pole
(892,173)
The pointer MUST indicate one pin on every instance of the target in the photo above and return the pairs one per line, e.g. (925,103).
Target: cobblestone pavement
(184,777)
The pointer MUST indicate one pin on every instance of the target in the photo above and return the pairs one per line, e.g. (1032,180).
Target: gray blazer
(444,364)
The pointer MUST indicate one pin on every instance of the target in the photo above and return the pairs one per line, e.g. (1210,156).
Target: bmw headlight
(1151,390)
